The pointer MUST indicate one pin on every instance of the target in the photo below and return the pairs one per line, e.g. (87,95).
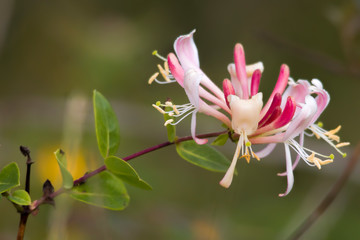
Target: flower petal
(186,51)
(240,67)
(175,68)
(289,171)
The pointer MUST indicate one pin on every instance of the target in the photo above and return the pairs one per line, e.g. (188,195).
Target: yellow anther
(168,122)
(327,161)
(159,109)
(316,135)
(331,156)
(163,73)
(158,103)
(155,52)
(320,124)
(344,155)
(153,77)
(166,67)
(255,156)
(248,144)
(175,110)
(343,144)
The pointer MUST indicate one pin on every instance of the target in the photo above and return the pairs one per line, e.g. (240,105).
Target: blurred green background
(54,53)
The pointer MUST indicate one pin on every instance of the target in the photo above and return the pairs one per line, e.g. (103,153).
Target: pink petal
(234,79)
(186,51)
(266,151)
(279,87)
(322,100)
(276,101)
(228,89)
(240,67)
(255,82)
(274,116)
(298,91)
(191,85)
(175,68)
(193,130)
(289,171)
(302,119)
(301,143)
(287,114)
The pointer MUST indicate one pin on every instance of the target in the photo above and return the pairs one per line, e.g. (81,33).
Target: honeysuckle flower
(289,113)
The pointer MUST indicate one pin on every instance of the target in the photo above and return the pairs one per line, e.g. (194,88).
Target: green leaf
(9,177)
(220,140)
(66,175)
(106,125)
(20,197)
(171,129)
(102,190)
(203,156)
(124,171)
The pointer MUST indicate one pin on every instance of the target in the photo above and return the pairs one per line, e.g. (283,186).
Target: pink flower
(290,110)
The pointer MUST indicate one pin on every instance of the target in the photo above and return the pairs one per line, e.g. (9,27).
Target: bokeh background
(54,53)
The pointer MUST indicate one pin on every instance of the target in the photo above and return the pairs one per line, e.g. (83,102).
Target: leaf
(102,190)
(20,197)
(220,140)
(126,172)
(171,129)
(9,177)
(66,175)
(106,126)
(203,156)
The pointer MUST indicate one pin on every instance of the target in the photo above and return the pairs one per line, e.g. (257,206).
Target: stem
(127,158)
(330,197)
(24,214)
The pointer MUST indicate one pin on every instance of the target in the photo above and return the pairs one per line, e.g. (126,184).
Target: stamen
(175,110)
(343,144)
(159,109)
(163,73)
(155,53)
(255,156)
(153,77)
(166,67)
(168,122)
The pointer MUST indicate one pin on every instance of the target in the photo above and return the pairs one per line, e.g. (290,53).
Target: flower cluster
(289,113)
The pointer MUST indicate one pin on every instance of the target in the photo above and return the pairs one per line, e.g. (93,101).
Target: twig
(26,210)
(86,176)
(330,197)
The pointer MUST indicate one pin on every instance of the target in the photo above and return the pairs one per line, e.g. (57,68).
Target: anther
(166,67)
(168,122)
(159,109)
(153,77)
(163,73)
(175,110)
(339,145)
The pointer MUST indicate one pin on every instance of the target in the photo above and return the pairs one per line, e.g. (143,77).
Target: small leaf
(126,172)
(106,125)
(9,177)
(220,140)
(171,129)
(102,190)
(20,197)
(66,175)
(203,156)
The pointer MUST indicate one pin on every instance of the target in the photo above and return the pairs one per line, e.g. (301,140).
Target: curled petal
(276,101)
(298,91)
(289,171)
(287,114)
(175,68)
(279,87)
(228,90)
(193,130)
(234,79)
(302,119)
(322,99)
(186,51)
(240,67)
(191,85)
(255,82)
(266,151)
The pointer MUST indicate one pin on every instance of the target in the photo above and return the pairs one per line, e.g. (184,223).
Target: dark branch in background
(317,58)
(330,197)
